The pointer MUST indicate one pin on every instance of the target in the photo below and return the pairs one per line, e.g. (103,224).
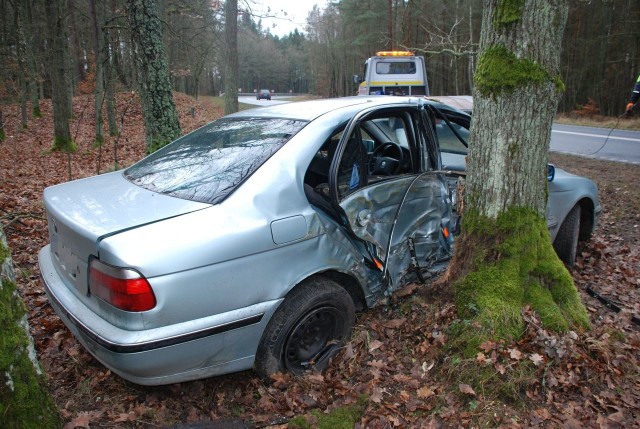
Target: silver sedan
(252,241)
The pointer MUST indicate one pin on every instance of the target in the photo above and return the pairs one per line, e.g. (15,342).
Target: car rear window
(209,163)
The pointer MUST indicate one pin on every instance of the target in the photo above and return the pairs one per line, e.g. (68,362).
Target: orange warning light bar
(395,54)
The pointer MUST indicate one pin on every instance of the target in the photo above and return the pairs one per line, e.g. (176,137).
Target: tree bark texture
(24,400)
(160,116)
(511,125)
(503,257)
(231,57)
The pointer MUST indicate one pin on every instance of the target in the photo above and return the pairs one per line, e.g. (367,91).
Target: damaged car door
(384,183)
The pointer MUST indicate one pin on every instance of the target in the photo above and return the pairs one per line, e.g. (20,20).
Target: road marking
(612,137)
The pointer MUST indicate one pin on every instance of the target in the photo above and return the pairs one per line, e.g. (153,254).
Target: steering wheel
(381,163)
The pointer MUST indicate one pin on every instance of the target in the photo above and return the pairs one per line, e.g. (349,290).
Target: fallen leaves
(425,392)
(515,354)
(536,359)
(396,358)
(466,389)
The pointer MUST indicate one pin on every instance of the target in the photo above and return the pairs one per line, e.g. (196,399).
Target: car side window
(447,138)
(379,148)
(393,149)
(352,169)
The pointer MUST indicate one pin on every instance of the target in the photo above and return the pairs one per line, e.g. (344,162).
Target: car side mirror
(356,79)
(551,172)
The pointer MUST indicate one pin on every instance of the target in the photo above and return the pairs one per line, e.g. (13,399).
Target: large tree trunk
(231,54)
(58,75)
(504,259)
(24,401)
(160,116)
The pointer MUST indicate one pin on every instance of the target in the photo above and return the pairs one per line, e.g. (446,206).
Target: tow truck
(402,73)
(393,73)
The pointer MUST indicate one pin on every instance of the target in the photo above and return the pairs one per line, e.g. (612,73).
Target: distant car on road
(263,94)
(252,241)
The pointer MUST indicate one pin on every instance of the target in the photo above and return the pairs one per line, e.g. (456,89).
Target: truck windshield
(209,163)
(396,67)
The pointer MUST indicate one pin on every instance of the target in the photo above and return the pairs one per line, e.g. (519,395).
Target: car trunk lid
(83,212)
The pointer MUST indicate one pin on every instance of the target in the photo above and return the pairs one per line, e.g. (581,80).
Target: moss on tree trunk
(24,401)
(160,116)
(512,265)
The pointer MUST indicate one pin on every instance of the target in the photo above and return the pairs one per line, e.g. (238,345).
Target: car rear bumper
(218,345)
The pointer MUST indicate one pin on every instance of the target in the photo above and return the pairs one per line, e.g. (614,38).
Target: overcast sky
(296,10)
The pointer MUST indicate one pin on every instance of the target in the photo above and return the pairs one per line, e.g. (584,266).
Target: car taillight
(123,288)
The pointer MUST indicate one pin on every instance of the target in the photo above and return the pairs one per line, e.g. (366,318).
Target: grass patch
(340,418)
(509,388)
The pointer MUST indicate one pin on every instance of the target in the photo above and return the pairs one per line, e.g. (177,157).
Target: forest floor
(396,370)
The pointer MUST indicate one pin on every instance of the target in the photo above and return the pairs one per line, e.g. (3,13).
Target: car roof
(310,110)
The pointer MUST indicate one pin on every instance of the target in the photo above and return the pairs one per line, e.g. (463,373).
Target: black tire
(566,242)
(308,328)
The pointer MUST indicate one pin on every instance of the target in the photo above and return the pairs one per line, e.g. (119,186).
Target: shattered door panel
(425,212)
(388,213)
(372,210)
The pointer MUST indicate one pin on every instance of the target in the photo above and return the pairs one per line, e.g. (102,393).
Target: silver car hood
(107,204)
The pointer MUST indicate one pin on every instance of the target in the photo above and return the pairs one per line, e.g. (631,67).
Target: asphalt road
(599,143)
(262,103)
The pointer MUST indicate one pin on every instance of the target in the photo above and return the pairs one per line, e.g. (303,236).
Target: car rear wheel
(566,242)
(308,328)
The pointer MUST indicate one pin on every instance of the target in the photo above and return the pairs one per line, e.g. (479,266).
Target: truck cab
(393,73)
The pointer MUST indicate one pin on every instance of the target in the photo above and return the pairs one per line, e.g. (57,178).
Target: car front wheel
(566,242)
(308,328)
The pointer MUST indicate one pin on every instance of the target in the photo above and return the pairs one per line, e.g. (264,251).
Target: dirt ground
(395,372)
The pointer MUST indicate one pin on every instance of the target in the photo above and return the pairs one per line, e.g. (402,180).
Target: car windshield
(209,163)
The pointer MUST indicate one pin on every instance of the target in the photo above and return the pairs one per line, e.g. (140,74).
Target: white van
(393,73)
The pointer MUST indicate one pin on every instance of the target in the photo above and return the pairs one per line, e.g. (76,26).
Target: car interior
(378,149)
